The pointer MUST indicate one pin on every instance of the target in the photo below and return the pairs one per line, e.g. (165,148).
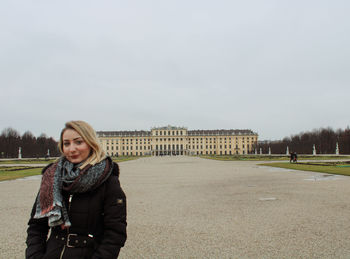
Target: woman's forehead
(70,134)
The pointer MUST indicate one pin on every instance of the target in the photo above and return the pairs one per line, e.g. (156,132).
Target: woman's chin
(74,160)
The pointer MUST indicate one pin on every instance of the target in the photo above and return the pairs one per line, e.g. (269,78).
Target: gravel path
(185,207)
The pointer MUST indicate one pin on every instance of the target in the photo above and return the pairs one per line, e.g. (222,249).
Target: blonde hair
(89,136)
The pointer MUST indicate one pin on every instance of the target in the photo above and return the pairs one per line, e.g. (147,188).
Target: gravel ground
(185,207)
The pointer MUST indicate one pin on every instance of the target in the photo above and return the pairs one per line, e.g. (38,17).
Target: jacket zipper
(69,203)
(64,247)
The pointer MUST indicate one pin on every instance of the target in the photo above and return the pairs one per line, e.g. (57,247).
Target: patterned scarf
(64,175)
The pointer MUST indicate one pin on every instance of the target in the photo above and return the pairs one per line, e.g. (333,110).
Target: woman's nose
(72,148)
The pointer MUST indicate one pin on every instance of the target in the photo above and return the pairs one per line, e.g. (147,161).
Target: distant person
(80,200)
(293,157)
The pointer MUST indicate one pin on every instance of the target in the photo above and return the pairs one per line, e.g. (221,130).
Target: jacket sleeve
(36,236)
(114,234)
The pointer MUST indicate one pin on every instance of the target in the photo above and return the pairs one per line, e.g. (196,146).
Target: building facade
(172,140)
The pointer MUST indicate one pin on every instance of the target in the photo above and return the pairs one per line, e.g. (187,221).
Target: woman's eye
(66,144)
(78,142)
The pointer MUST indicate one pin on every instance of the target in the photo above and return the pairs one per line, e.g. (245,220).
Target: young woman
(80,200)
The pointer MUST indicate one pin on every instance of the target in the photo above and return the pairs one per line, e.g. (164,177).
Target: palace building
(178,141)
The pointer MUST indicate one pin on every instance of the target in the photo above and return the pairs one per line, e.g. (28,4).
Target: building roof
(220,132)
(143,133)
(169,127)
(138,133)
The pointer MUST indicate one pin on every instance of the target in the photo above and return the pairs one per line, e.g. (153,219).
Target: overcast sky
(277,67)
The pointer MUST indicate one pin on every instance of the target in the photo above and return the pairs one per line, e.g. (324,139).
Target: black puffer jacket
(98,226)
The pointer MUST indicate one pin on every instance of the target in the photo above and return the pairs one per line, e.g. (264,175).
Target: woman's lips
(74,157)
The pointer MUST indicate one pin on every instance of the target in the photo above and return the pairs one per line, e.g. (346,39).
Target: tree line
(324,139)
(31,146)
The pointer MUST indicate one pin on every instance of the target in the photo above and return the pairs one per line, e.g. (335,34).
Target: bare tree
(10,141)
(28,144)
(324,139)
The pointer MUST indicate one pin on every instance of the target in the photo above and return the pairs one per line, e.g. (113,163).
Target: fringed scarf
(64,175)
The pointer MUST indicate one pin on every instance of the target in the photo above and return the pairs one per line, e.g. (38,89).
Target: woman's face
(75,149)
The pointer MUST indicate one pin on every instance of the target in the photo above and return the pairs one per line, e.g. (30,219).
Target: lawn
(10,173)
(14,172)
(125,158)
(27,161)
(341,168)
(270,157)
